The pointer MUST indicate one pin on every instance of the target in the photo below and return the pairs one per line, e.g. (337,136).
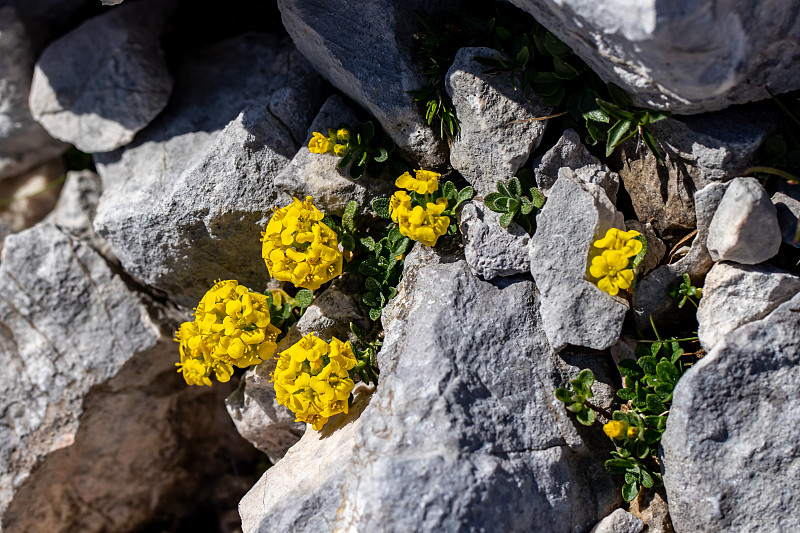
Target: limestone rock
(727,54)
(496,134)
(651,507)
(365,51)
(734,295)
(186,202)
(461,430)
(570,152)
(651,299)
(23,142)
(490,249)
(620,521)
(100,432)
(730,448)
(655,246)
(574,310)
(32,195)
(787,206)
(101,83)
(745,226)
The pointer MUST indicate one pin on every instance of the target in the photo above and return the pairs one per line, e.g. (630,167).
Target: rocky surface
(76,208)
(97,86)
(574,310)
(497,130)
(656,249)
(745,226)
(653,510)
(620,521)
(424,454)
(490,249)
(734,295)
(23,142)
(185,204)
(787,207)
(726,56)
(722,432)
(365,51)
(29,197)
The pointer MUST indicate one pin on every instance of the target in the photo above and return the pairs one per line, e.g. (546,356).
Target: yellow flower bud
(343,134)
(616,429)
(339,150)
(633,432)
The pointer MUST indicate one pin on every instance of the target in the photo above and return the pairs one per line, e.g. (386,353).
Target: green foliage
(537,63)
(285,310)
(576,399)
(636,260)
(780,154)
(514,205)
(369,149)
(686,292)
(365,348)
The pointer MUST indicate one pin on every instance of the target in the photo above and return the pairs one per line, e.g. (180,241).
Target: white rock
(745,226)
(490,249)
(620,521)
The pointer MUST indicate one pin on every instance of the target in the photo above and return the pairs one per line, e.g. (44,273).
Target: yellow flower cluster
(299,248)
(312,379)
(619,430)
(320,144)
(423,224)
(611,267)
(231,328)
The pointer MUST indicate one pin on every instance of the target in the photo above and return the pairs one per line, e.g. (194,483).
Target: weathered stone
(734,295)
(745,226)
(23,142)
(570,152)
(497,133)
(574,310)
(101,83)
(32,195)
(317,175)
(185,203)
(620,521)
(366,51)
(99,433)
(655,246)
(651,507)
(651,299)
(787,206)
(461,430)
(490,249)
(727,54)
(730,449)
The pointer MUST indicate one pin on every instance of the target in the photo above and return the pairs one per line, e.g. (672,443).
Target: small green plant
(686,292)
(577,399)
(285,310)
(514,205)
(627,122)
(366,350)
(364,146)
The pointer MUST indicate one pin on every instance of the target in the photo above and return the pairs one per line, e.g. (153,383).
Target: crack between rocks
(88,275)
(31,324)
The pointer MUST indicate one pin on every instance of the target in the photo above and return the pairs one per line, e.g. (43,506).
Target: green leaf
(651,436)
(348,242)
(631,478)
(526,207)
(596,132)
(648,364)
(490,201)
(449,191)
(505,219)
(513,205)
(368,242)
(619,96)
(564,395)
(585,417)
(367,131)
(654,404)
(616,111)
(503,189)
(647,479)
(465,194)
(637,260)
(656,422)
(401,246)
(555,47)
(586,377)
(564,70)
(502,33)
(630,491)
(348,223)
(370,267)
(654,349)
(372,299)
(626,393)
(616,134)
(381,207)
(652,145)
(372,284)
(523,56)
(358,331)
(304,298)
(382,156)
(667,372)
(357,170)
(537,198)
(375,314)
(628,367)
(514,187)
(350,208)
(619,466)
(641,449)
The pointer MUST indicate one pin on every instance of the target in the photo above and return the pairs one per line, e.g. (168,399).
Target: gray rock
(651,299)
(727,54)
(317,175)
(365,50)
(101,83)
(96,421)
(734,295)
(730,448)
(32,195)
(497,135)
(745,227)
(787,206)
(570,152)
(490,249)
(461,434)
(655,246)
(574,310)
(24,144)
(651,507)
(620,521)
(185,204)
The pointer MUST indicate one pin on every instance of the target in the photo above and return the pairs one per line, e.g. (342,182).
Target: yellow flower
(343,134)
(339,150)
(616,429)
(320,144)
(312,379)
(425,181)
(423,225)
(611,270)
(299,248)
(231,328)
(622,241)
